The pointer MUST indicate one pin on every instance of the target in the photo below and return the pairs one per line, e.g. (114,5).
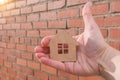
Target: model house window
(62,48)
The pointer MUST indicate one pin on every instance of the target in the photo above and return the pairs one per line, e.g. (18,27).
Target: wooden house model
(63,47)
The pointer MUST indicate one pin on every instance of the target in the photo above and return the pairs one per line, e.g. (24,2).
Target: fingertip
(45,41)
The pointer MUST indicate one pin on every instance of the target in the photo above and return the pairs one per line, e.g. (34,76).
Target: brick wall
(24,23)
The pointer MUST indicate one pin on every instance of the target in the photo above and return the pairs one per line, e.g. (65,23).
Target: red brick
(26,10)
(15,12)
(20,3)
(11,6)
(56,4)
(115,45)
(3,68)
(8,64)
(68,75)
(40,7)
(10,19)
(1,62)
(2,44)
(26,26)
(108,21)
(74,12)
(100,9)
(10,45)
(21,62)
(6,14)
(33,17)
(2,20)
(100,21)
(21,76)
(1,50)
(27,70)
(76,23)
(48,16)
(115,33)
(47,32)
(113,21)
(34,41)
(38,25)
(104,33)
(26,55)
(33,33)
(20,33)
(21,47)
(31,78)
(15,26)
(12,58)
(75,2)
(55,78)
(73,32)
(0,14)
(11,33)
(32,2)
(22,40)
(12,72)
(3,8)
(2,56)
(33,65)
(21,19)
(115,6)
(27,41)
(41,75)
(7,26)
(1,27)
(30,48)
(48,69)
(57,24)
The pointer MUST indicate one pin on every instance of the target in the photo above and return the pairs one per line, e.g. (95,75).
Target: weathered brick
(78,22)
(33,17)
(41,75)
(21,33)
(10,20)
(6,14)
(20,47)
(48,16)
(21,19)
(40,7)
(56,4)
(74,12)
(68,75)
(26,10)
(21,62)
(8,64)
(15,12)
(11,6)
(48,69)
(38,25)
(20,3)
(2,20)
(26,55)
(115,33)
(44,33)
(26,26)
(32,2)
(33,33)
(57,24)
(33,65)
(114,6)
(30,48)
(100,9)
